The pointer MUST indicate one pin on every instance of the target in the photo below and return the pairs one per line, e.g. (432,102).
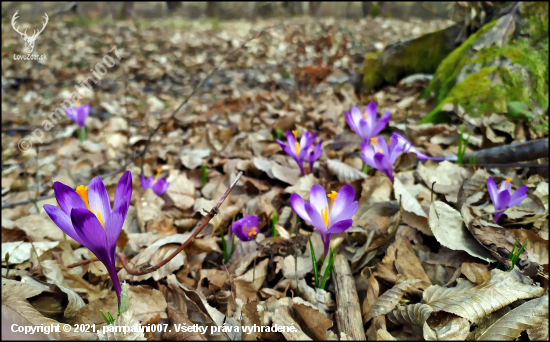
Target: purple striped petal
(316,218)
(63,221)
(318,198)
(291,142)
(372,114)
(344,206)
(67,198)
(383,165)
(364,131)
(381,124)
(98,199)
(356,117)
(298,205)
(91,233)
(350,122)
(111,268)
(123,193)
(160,186)
(340,226)
(493,192)
(519,195)
(286,149)
(368,154)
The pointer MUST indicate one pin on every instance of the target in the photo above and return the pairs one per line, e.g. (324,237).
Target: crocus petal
(71,113)
(98,198)
(503,200)
(502,186)
(67,198)
(381,124)
(383,165)
(340,226)
(63,221)
(344,206)
(298,205)
(364,131)
(143,181)
(318,198)
(165,186)
(250,221)
(493,192)
(91,233)
(286,149)
(518,196)
(159,186)
(123,193)
(372,113)
(367,155)
(84,112)
(497,216)
(291,142)
(237,229)
(351,123)
(316,218)
(326,242)
(111,268)
(356,116)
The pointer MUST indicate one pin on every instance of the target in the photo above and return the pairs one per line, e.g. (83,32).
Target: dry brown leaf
(374,190)
(21,251)
(250,318)
(317,323)
(283,317)
(446,326)
(148,208)
(486,322)
(390,299)
(448,228)
(182,192)
(249,283)
(177,321)
(372,294)
(17,309)
(344,172)
(475,302)
(302,186)
(415,314)
(407,263)
(529,315)
(408,201)
(476,273)
(537,247)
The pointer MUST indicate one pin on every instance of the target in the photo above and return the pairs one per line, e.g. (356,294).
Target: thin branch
(210,215)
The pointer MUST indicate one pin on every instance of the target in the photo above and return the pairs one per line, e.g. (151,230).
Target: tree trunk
(366,5)
(213,9)
(314,7)
(126,10)
(173,5)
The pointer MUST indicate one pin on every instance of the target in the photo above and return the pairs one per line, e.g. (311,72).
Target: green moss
(421,55)
(448,70)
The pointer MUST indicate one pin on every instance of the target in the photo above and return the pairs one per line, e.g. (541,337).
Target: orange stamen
(157,176)
(99,218)
(324,214)
(83,193)
(251,231)
(374,141)
(332,197)
(77,103)
(389,142)
(365,115)
(508,180)
(297,143)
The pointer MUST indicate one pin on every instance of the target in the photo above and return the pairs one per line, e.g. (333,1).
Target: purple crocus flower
(406,146)
(366,125)
(159,186)
(86,216)
(327,220)
(297,150)
(245,228)
(382,155)
(313,154)
(502,198)
(79,114)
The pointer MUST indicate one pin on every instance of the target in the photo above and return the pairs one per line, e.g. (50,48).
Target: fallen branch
(210,215)
(530,150)
(348,312)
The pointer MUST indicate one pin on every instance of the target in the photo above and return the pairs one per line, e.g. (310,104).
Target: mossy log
(505,61)
(420,55)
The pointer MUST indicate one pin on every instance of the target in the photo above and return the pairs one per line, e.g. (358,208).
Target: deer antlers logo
(29,41)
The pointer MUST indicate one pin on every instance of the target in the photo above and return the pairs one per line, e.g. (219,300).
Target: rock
(505,61)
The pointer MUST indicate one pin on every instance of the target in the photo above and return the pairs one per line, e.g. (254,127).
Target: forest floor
(421,260)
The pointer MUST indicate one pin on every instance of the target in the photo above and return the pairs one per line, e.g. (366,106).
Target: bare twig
(211,214)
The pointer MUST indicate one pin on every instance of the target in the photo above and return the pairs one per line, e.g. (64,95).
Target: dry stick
(513,153)
(151,134)
(211,214)
(348,312)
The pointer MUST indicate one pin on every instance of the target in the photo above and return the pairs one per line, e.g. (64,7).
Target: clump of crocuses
(86,216)
(79,114)
(328,220)
(301,150)
(503,198)
(158,185)
(366,124)
(381,155)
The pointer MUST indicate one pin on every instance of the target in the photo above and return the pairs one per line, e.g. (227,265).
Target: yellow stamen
(332,196)
(508,180)
(83,193)
(297,143)
(365,115)
(77,103)
(157,176)
(99,218)
(324,214)
(251,231)
(389,142)
(374,141)
(380,150)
